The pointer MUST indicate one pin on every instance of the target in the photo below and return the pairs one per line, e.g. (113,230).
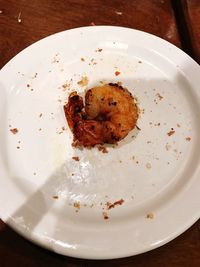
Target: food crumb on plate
(66,86)
(159,96)
(14,131)
(103,149)
(105,215)
(188,138)
(82,59)
(77,205)
(84,81)
(167,147)
(76,158)
(171,133)
(35,75)
(148,165)
(150,215)
(55,197)
(99,50)
(116,203)
(117,73)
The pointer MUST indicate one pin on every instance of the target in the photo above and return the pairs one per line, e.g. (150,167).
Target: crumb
(140,61)
(133,157)
(28,85)
(99,50)
(65,86)
(55,197)
(150,215)
(137,162)
(35,76)
(159,96)
(188,138)
(40,115)
(112,205)
(105,215)
(93,62)
(178,125)
(77,205)
(117,73)
(167,146)
(19,142)
(55,60)
(72,174)
(82,59)
(18,147)
(148,142)
(170,132)
(148,165)
(76,158)
(40,129)
(138,128)
(92,24)
(34,173)
(31,89)
(83,82)
(103,149)
(14,130)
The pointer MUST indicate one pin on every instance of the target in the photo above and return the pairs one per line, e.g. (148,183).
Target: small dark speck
(140,61)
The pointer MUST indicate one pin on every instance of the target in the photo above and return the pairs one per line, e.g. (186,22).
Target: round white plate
(73,207)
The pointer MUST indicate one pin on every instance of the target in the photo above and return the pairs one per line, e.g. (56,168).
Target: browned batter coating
(110,113)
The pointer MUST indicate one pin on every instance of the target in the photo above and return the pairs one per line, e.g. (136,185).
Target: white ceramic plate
(63,204)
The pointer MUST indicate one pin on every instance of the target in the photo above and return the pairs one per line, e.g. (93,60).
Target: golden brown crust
(110,113)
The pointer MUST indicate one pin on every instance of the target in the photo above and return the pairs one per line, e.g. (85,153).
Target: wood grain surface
(191,9)
(22,23)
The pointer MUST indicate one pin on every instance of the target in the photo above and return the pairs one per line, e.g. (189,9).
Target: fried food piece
(110,113)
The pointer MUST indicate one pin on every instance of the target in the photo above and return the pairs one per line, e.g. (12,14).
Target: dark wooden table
(23,22)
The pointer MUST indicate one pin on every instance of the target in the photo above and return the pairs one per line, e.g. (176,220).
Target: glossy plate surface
(138,196)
